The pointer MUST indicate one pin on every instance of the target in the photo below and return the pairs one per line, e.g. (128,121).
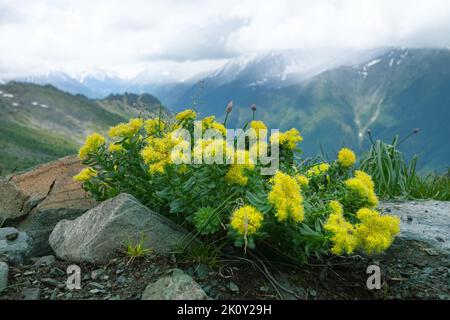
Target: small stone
(31,293)
(12,236)
(57,272)
(313,293)
(4,274)
(50,282)
(428,270)
(233,287)
(45,261)
(431,252)
(16,251)
(121,280)
(202,271)
(440,239)
(175,286)
(54,294)
(97,285)
(96,274)
(264,289)
(95,291)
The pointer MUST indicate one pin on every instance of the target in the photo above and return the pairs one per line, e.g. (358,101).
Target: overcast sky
(185,37)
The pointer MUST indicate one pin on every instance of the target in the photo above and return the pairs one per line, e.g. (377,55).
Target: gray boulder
(14,245)
(100,233)
(40,223)
(175,286)
(425,221)
(4,273)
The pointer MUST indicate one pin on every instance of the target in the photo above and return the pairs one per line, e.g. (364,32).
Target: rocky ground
(417,266)
(411,269)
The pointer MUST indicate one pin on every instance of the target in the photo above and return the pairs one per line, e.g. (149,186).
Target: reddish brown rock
(53,196)
(53,184)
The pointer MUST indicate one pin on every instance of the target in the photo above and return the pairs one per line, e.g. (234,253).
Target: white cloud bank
(186,37)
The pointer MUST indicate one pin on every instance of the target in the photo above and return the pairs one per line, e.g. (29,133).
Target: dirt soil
(410,270)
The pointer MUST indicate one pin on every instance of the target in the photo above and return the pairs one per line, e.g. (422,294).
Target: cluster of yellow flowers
(359,227)
(373,234)
(210,123)
(344,240)
(346,157)
(85,175)
(302,180)
(288,139)
(259,127)
(186,115)
(242,164)
(286,197)
(126,130)
(153,126)
(363,186)
(246,220)
(318,169)
(92,144)
(113,147)
(157,153)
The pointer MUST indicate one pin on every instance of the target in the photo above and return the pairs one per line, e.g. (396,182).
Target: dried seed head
(369,131)
(416,130)
(230,106)
(253,107)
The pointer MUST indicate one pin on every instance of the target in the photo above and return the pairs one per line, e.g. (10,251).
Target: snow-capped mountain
(283,68)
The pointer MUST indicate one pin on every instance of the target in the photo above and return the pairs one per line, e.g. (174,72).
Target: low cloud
(38,36)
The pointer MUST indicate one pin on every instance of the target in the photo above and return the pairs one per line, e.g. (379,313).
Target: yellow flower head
(363,186)
(115,148)
(158,152)
(187,114)
(260,128)
(302,180)
(318,169)
(286,197)
(346,157)
(236,175)
(242,164)
(126,130)
(343,238)
(246,220)
(376,233)
(336,207)
(365,178)
(85,175)
(288,139)
(208,121)
(219,127)
(152,126)
(92,144)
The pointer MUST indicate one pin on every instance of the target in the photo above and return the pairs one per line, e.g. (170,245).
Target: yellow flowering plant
(301,209)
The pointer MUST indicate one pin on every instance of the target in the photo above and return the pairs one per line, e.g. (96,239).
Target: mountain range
(41,123)
(332,96)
